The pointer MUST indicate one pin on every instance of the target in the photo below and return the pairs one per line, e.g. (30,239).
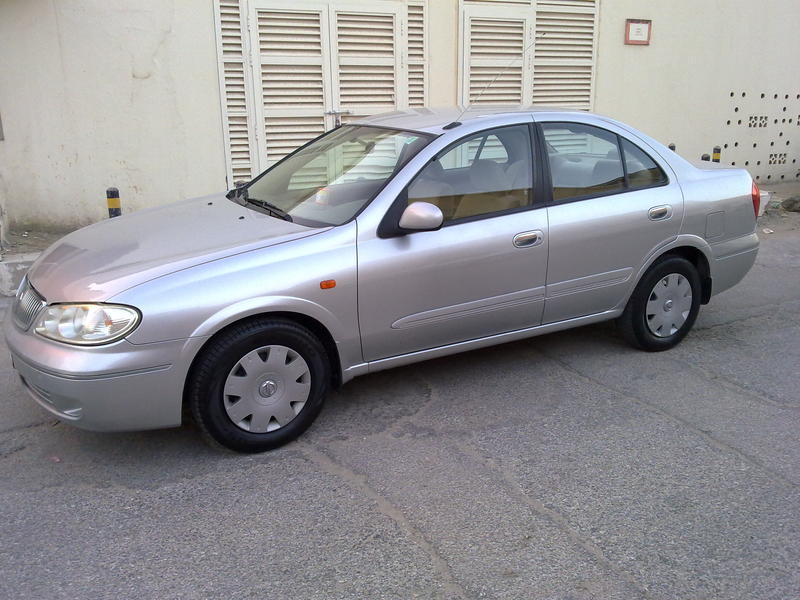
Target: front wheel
(259,385)
(663,307)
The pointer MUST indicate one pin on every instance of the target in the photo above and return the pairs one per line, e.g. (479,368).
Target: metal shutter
(238,131)
(558,67)
(564,55)
(367,57)
(290,70)
(417,55)
(494,70)
(287,68)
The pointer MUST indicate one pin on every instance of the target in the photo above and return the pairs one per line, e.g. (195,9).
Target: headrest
(516,142)
(606,171)
(434,170)
(487,176)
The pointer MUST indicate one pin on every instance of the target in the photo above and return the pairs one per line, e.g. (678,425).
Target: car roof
(432,120)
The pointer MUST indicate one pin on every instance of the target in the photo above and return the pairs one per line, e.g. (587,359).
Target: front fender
(269,304)
(346,338)
(199,301)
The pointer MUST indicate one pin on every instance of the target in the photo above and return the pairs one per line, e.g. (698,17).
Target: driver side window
(485,173)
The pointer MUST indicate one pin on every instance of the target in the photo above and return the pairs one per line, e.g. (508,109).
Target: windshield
(333,178)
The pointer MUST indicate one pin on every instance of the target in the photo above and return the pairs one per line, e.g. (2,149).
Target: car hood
(99,261)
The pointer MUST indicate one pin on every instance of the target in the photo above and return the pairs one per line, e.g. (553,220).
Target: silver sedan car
(393,239)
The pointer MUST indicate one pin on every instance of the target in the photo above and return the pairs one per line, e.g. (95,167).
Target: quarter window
(485,173)
(642,170)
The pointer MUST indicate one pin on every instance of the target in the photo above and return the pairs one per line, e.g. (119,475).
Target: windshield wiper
(278,212)
(240,195)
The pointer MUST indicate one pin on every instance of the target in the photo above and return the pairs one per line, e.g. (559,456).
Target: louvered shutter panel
(564,56)
(417,56)
(291,74)
(496,70)
(366,58)
(298,63)
(368,79)
(238,130)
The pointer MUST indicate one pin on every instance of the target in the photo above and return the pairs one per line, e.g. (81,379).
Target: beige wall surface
(678,89)
(443,57)
(99,93)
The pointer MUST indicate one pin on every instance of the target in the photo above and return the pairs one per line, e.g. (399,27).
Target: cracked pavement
(567,466)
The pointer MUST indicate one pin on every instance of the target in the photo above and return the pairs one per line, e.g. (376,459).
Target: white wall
(95,93)
(443,58)
(678,89)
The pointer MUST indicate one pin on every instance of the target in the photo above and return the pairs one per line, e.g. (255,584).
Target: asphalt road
(562,467)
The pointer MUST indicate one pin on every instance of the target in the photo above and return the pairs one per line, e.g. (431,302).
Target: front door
(481,274)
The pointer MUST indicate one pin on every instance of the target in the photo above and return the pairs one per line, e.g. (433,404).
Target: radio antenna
(522,54)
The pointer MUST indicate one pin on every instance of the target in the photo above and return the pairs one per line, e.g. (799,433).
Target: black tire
(211,369)
(633,323)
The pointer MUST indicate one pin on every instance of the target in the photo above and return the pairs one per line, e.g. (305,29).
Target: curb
(764,202)
(12,269)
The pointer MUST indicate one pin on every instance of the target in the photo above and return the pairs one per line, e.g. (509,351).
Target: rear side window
(584,160)
(642,170)
(588,161)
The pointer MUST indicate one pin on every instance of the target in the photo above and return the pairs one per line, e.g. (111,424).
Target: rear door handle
(659,213)
(526,239)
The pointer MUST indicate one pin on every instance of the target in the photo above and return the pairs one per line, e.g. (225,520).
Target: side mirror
(421,216)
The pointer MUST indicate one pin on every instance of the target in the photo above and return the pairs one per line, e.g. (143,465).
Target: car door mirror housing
(421,216)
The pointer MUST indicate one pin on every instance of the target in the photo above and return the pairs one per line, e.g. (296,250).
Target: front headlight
(87,324)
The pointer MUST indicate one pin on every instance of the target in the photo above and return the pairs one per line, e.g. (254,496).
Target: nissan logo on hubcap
(268,388)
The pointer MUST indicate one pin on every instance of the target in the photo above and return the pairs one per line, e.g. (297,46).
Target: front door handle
(526,239)
(659,213)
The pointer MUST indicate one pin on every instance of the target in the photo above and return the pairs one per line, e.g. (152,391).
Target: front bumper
(119,387)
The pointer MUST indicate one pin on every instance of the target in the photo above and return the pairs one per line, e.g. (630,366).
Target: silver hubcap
(266,389)
(669,305)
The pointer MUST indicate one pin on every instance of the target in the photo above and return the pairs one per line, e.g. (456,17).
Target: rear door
(613,204)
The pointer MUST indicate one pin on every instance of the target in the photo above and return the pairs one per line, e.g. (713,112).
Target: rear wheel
(259,385)
(663,307)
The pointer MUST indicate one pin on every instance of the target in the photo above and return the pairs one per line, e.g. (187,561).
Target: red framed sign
(637,31)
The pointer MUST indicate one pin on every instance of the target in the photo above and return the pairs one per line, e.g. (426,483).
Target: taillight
(756,199)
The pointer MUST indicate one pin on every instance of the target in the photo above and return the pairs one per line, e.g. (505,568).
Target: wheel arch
(695,256)
(689,247)
(317,328)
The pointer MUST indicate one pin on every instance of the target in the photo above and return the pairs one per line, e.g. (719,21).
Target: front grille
(27,304)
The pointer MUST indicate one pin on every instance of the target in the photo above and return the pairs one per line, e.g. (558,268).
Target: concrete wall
(678,89)
(95,93)
(443,59)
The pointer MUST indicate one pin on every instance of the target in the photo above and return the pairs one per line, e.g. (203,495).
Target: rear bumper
(120,387)
(732,260)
